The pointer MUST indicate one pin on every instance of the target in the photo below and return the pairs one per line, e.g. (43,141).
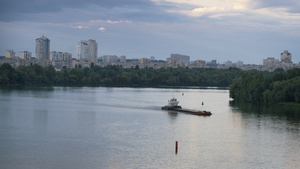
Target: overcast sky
(246,30)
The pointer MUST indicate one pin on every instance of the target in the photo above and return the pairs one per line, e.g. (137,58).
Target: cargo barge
(173,105)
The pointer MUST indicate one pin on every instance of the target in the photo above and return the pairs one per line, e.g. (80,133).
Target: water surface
(86,127)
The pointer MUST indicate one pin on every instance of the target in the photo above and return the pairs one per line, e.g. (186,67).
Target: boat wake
(131,106)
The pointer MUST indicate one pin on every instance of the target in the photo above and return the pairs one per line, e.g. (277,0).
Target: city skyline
(247,30)
(87,49)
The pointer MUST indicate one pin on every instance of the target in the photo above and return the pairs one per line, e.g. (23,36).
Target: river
(97,127)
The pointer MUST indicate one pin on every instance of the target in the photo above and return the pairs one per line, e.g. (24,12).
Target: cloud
(119,21)
(102,29)
(197,12)
(210,9)
(247,10)
(221,15)
(80,27)
(40,6)
(96,23)
(14,10)
(281,14)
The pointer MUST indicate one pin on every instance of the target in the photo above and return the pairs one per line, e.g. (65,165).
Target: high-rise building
(25,55)
(93,50)
(87,50)
(82,50)
(10,54)
(181,58)
(42,48)
(286,57)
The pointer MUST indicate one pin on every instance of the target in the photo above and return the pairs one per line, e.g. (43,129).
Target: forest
(278,87)
(116,76)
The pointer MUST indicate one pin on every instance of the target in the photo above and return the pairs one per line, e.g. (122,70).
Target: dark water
(85,127)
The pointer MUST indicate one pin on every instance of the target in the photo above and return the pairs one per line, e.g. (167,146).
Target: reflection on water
(172,115)
(261,123)
(278,111)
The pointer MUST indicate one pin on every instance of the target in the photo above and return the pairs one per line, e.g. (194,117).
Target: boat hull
(170,107)
(194,112)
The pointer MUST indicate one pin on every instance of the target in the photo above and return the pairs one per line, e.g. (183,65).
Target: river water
(96,127)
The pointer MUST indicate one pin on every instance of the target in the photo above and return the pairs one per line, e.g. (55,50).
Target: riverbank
(117,76)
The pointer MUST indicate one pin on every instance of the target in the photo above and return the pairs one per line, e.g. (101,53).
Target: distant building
(80,63)
(144,61)
(286,57)
(87,50)
(212,63)
(152,58)
(25,55)
(239,63)
(42,48)
(172,61)
(10,54)
(56,56)
(271,64)
(60,59)
(197,64)
(200,62)
(93,50)
(181,58)
(122,59)
(134,60)
(110,59)
(228,63)
(82,50)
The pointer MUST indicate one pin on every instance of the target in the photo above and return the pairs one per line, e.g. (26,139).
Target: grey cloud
(37,6)
(18,9)
(291,5)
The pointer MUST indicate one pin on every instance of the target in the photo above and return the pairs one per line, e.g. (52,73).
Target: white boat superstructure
(173,102)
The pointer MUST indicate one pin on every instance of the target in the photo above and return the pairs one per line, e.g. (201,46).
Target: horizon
(234,30)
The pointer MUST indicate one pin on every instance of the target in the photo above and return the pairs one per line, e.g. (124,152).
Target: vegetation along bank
(257,87)
(117,76)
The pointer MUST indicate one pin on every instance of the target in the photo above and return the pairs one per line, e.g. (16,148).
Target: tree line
(256,87)
(117,76)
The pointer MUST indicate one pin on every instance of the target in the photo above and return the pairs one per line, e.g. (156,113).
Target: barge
(173,105)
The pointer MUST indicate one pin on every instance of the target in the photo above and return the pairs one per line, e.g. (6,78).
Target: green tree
(8,74)
(50,74)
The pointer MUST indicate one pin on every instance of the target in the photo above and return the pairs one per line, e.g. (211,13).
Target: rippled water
(86,127)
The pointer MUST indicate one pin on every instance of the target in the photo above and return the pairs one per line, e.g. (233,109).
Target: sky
(222,30)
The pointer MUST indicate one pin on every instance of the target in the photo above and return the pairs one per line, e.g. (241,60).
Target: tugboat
(173,105)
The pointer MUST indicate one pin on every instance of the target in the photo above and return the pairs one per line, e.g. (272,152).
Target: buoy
(176,147)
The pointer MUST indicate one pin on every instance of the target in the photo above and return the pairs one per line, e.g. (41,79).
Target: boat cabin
(173,102)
